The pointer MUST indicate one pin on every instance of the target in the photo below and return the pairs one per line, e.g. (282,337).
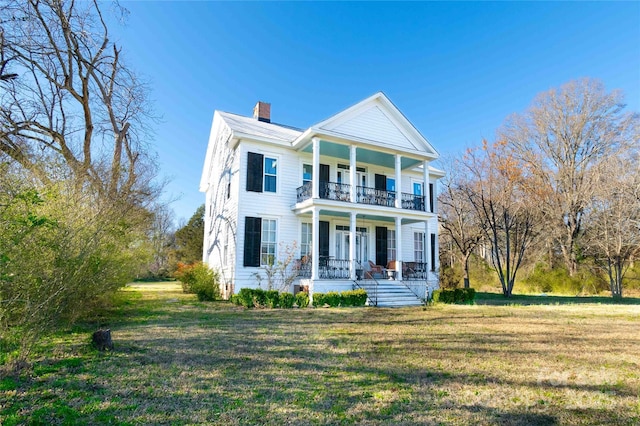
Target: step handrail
(375,297)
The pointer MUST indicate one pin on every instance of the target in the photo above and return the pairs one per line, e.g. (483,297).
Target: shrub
(354,297)
(272,299)
(302,299)
(245,297)
(319,299)
(235,299)
(333,299)
(287,300)
(458,296)
(450,277)
(199,279)
(345,298)
(258,298)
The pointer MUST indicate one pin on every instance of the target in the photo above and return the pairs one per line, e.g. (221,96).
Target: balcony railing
(377,197)
(413,202)
(364,195)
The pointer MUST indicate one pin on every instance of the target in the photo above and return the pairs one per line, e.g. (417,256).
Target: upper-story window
(262,173)
(307,173)
(270,174)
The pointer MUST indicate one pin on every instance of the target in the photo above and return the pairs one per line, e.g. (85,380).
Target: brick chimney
(262,111)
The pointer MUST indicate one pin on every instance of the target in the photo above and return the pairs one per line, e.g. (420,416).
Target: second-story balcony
(364,195)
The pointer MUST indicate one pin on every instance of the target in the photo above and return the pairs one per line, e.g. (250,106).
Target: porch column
(352,172)
(398,181)
(315,240)
(425,172)
(399,258)
(352,246)
(315,181)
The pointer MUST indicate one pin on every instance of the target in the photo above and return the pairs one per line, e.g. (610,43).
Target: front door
(343,244)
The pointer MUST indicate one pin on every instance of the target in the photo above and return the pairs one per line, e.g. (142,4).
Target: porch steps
(389,293)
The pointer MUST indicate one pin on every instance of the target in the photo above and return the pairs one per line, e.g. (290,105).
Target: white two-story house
(353,195)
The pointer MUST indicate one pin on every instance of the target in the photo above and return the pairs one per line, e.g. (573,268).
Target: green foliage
(197,278)
(460,296)
(345,298)
(272,299)
(245,298)
(450,276)
(557,280)
(302,299)
(258,298)
(354,297)
(190,239)
(287,300)
(63,254)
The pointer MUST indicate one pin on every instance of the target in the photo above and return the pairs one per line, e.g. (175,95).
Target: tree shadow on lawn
(483,298)
(272,369)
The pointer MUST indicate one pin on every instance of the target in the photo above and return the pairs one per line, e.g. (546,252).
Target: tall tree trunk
(466,270)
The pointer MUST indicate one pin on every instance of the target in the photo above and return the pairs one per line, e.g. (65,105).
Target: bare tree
(497,191)
(73,100)
(458,217)
(563,137)
(612,235)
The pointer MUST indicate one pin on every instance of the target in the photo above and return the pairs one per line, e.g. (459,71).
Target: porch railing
(364,195)
(413,202)
(304,192)
(327,268)
(378,197)
(414,271)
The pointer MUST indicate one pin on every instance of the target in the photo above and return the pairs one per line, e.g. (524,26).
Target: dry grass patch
(178,361)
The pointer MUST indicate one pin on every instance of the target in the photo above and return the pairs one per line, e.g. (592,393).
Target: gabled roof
(375,120)
(250,127)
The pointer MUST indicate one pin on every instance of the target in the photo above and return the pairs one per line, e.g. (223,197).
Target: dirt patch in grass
(179,361)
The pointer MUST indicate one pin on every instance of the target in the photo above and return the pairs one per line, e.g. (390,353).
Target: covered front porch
(339,243)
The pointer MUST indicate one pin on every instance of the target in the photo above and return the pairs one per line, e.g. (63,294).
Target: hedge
(258,298)
(345,298)
(461,296)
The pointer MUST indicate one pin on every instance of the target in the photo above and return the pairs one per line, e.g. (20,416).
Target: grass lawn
(178,361)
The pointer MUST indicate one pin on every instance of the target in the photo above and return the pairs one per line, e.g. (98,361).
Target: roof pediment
(376,119)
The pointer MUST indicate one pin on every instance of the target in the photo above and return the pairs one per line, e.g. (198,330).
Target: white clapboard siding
(373,124)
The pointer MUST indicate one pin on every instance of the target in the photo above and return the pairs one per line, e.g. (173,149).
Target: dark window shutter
(381,245)
(323,238)
(255,164)
(381,182)
(433,252)
(431,197)
(324,181)
(252,235)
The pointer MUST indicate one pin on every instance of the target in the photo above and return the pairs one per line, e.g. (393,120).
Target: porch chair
(375,269)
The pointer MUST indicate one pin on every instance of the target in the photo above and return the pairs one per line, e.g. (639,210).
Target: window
(391,245)
(417,188)
(307,173)
(306,240)
(270,169)
(418,246)
(262,173)
(391,184)
(268,242)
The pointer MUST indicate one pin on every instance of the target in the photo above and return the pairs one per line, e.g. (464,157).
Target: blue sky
(455,69)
